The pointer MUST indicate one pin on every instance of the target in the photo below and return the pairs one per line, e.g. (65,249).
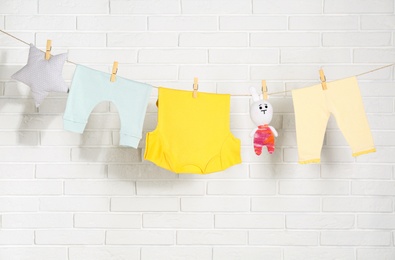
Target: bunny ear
(255,96)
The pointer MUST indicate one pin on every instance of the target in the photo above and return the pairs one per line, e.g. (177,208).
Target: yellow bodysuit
(193,134)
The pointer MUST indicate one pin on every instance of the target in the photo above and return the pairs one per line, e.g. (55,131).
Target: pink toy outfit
(263,136)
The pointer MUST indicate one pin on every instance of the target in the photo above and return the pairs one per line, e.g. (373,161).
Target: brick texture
(68,196)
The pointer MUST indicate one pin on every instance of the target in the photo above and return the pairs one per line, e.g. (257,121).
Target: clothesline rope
(272,93)
(16,38)
(363,73)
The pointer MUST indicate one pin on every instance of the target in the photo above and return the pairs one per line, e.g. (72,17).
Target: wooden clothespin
(264,89)
(114,71)
(195,87)
(48,50)
(323,79)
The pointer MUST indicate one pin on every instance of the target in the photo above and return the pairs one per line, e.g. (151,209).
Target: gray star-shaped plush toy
(41,75)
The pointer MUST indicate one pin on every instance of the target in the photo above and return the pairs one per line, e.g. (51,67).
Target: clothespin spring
(264,90)
(48,50)
(323,79)
(114,71)
(195,87)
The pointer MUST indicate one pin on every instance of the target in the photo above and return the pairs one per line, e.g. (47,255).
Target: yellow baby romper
(193,134)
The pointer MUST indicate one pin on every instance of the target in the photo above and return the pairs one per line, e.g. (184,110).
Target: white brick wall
(65,196)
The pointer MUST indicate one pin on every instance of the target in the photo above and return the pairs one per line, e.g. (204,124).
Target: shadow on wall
(17,111)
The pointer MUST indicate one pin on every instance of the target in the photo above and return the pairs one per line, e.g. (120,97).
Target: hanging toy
(261,113)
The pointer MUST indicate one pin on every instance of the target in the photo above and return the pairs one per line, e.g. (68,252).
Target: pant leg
(83,97)
(131,100)
(346,105)
(311,118)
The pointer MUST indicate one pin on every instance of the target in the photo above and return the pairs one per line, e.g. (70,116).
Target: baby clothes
(263,137)
(90,87)
(193,134)
(313,106)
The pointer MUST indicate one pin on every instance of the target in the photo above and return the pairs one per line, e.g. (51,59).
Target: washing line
(269,93)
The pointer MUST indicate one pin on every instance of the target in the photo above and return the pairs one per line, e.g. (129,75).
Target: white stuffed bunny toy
(261,113)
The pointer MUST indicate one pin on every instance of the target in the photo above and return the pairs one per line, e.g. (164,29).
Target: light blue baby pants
(90,87)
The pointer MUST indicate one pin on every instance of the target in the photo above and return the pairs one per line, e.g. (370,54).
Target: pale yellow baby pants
(313,107)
